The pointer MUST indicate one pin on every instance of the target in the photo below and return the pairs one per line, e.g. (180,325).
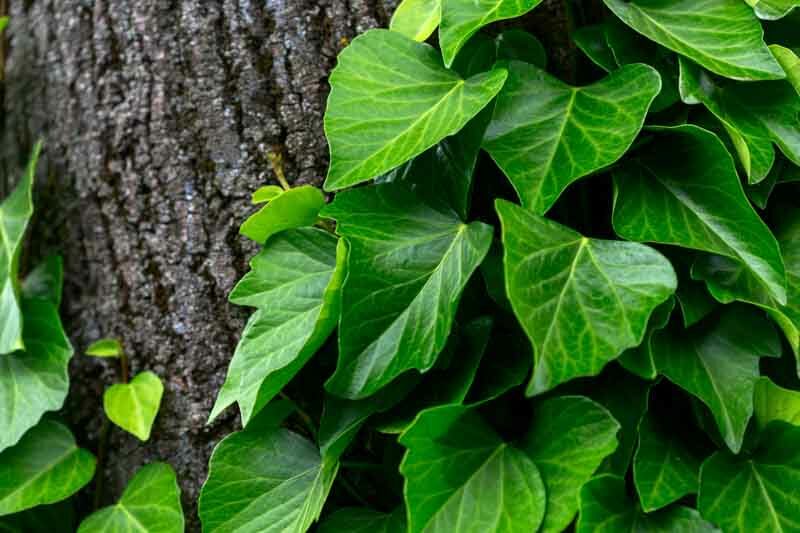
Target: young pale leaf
(756,492)
(427,101)
(265,479)
(581,301)
(568,440)
(461,476)
(294,208)
(462,18)
(133,406)
(295,284)
(690,195)
(45,466)
(665,469)
(407,266)
(545,134)
(773,9)
(3,23)
(639,359)
(45,281)
(34,381)
(363,520)
(789,62)
(151,503)
(722,35)
(606,508)
(417,19)
(755,115)
(105,348)
(265,194)
(771,402)
(15,212)
(718,363)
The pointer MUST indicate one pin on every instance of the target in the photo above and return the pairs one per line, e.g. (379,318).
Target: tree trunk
(159,117)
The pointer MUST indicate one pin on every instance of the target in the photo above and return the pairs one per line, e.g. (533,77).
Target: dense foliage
(537,300)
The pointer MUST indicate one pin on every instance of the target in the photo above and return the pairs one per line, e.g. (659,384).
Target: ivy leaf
(606,508)
(519,45)
(265,194)
(45,466)
(722,35)
(15,213)
(462,18)
(151,503)
(417,19)
(690,196)
(265,479)
(592,42)
(105,348)
(45,280)
(133,406)
(755,115)
(581,301)
(568,440)
(34,381)
(408,264)
(771,402)
(773,9)
(789,62)
(729,281)
(461,476)
(718,363)
(56,518)
(755,492)
(363,520)
(382,68)
(665,469)
(545,134)
(639,359)
(294,208)
(295,284)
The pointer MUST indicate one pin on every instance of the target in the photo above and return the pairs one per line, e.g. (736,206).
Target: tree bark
(159,117)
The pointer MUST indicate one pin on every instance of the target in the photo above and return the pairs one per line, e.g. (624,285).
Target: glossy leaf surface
(294,208)
(417,19)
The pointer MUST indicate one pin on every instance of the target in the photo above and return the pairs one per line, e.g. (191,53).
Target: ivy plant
(537,298)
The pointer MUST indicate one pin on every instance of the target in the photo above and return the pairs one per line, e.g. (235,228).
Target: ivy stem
(276,161)
(105,432)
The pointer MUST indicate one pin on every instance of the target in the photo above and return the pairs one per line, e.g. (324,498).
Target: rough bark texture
(159,116)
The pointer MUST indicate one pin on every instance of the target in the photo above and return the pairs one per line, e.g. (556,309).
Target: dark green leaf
(45,280)
(520,45)
(362,520)
(56,518)
(592,42)
(639,359)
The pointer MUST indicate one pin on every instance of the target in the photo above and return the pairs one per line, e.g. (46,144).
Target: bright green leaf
(295,283)
(383,70)
(265,194)
(690,195)
(568,440)
(34,381)
(773,9)
(722,35)
(581,301)
(265,479)
(105,348)
(789,62)
(151,503)
(417,19)
(606,508)
(718,363)
(639,359)
(755,115)
(3,23)
(294,208)
(462,18)
(15,213)
(757,492)
(665,469)
(771,402)
(545,134)
(461,476)
(133,406)
(45,466)
(408,264)
(363,520)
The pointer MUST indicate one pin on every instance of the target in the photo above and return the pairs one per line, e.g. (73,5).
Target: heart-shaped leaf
(722,35)
(691,196)
(417,19)
(761,486)
(718,363)
(15,212)
(151,503)
(295,283)
(133,406)
(428,103)
(545,134)
(45,466)
(409,260)
(461,476)
(462,18)
(568,440)
(294,208)
(581,301)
